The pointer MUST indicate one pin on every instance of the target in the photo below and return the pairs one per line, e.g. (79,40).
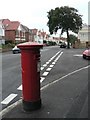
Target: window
(17,33)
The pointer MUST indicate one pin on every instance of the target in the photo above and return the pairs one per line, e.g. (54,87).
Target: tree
(64,18)
(72,38)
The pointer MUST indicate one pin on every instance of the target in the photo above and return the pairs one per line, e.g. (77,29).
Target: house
(2,40)
(58,40)
(4,23)
(15,32)
(33,34)
(26,30)
(84,36)
(41,36)
(38,36)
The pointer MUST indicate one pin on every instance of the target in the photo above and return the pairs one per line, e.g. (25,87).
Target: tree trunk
(68,40)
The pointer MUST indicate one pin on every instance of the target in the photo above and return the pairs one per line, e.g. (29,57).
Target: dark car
(63,45)
(16,50)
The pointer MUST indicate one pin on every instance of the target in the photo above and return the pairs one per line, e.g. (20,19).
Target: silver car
(16,50)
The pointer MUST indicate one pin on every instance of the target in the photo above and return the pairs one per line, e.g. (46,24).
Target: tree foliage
(64,18)
(72,38)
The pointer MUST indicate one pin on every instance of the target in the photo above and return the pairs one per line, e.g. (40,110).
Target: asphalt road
(56,63)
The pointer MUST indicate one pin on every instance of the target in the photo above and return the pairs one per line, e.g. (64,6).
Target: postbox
(30,64)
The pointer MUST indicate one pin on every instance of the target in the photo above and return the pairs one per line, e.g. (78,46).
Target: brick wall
(27,36)
(10,35)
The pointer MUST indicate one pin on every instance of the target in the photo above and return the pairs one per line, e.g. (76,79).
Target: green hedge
(49,43)
(9,45)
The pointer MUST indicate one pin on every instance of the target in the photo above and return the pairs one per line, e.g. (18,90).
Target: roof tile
(13,25)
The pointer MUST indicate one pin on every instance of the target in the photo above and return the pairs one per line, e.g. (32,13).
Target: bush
(6,46)
(8,42)
(51,43)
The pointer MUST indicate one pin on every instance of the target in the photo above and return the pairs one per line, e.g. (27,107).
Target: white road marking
(44,65)
(20,87)
(55,81)
(57,53)
(49,60)
(9,99)
(45,74)
(48,69)
(58,57)
(54,56)
(51,65)
(42,68)
(78,55)
(47,63)
(42,79)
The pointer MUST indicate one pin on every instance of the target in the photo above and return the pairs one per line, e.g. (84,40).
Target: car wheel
(84,56)
(13,52)
(89,58)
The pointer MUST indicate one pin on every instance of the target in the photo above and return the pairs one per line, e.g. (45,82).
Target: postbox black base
(30,106)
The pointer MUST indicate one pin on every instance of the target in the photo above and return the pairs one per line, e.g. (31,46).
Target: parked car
(16,50)
(86,54)
(63,45)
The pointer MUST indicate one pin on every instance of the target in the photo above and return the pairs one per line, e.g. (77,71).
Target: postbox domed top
(28,45)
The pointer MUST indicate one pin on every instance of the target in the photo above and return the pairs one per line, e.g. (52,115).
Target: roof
(10,25)
(43,34)
(34,31)
(13,25)
(5,21)
(25,28)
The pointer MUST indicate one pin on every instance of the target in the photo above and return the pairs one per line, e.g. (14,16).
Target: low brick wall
(80,45)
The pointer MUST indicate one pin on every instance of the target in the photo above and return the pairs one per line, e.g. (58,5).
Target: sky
(33,13)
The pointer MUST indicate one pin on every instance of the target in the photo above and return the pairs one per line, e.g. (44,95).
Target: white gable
(84,33)
(19,28)
(1,31)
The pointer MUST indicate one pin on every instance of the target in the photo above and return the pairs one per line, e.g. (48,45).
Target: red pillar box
(30,60)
